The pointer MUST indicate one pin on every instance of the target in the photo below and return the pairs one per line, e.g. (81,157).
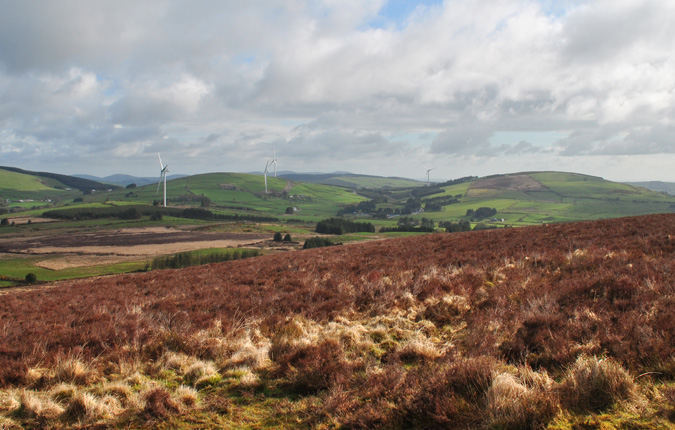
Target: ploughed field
(119,238)
(555,326)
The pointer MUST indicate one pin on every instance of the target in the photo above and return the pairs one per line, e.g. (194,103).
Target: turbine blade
(160,161)
(159,183)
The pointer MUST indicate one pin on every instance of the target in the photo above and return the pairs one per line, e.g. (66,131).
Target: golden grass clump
(250,349)
(187,396)
(34,405)
(593,384)
(119,390)
(419,347)
(446,309)
(36,376)
(8,424)
(526,401)
(177,362)
(89,408)
(8,401)
(74,370)
(63,392)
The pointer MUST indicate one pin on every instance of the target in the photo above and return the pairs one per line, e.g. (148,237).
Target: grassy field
(18,268)
(19,181)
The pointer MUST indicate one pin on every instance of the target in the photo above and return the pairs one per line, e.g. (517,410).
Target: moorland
(559,326)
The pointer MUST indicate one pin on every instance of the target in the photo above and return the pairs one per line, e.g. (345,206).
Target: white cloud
(317,77)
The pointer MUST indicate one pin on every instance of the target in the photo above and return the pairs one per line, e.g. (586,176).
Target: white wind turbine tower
(429,170)
(274,161)
(267,165)
(162,175)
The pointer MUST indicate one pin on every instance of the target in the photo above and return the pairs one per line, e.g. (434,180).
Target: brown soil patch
(144,249)
(25,220)
(158,240)
(111,247)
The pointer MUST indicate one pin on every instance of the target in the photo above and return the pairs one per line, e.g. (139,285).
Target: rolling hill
(351,180)
(524,198)
(244,193)
(18,184)
(665,187)
(544,197)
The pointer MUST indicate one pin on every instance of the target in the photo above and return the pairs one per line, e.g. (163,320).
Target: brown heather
(557,326)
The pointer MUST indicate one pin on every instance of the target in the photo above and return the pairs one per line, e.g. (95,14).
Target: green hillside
(25,189)
(351,180)
(10,181)
(243,193)
(519,198)
(542,197)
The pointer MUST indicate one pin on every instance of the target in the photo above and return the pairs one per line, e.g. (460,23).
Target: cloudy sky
(468,87)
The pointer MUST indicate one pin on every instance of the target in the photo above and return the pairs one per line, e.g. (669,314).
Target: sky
(390,88)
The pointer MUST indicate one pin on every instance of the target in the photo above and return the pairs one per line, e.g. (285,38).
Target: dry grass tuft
(119,390)
(419,348)
(159,404)
(75,371)
(32,405)
(593,384)
(36,377)
(187,397)
(199,370)
(8,401)
(249,379)
(250,349)
(525,402)
(446,309)
(63,392)
(86,407)
(8,424)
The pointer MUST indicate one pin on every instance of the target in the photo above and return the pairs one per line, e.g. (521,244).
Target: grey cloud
(620,140)
(336,144)
(89,76)
(463,140)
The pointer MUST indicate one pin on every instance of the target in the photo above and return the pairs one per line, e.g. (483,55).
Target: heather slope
(517,328)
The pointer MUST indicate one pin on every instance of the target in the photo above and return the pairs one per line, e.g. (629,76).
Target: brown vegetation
(517,328)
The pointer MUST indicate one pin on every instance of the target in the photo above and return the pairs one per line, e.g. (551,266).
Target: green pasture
(18,268)
(20,181)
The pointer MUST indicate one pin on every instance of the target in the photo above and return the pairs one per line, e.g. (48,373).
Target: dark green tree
(277,237)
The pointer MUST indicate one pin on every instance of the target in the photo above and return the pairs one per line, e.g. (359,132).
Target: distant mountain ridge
(123,180)
(340,179)
(664,187)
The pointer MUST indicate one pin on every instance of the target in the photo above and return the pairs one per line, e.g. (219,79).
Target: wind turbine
(267,165)
(162,175)
(429,170)
(274,161)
